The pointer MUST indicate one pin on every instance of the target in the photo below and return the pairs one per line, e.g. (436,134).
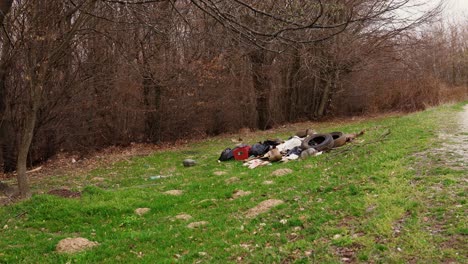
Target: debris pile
(303,145)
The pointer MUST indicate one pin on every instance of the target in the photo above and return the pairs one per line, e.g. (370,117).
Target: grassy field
(376,201)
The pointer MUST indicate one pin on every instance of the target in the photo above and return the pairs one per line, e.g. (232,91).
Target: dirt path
(454,151)
(444,171)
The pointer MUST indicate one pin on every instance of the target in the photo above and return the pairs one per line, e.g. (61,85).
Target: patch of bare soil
(65,193)
(263,207)
(240,193)
(142,211)
(73,245)
(174,192)
(197,224)
(281,172)
(183,217)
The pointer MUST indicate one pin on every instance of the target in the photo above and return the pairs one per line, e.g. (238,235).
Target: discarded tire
(320,142)
(339,139)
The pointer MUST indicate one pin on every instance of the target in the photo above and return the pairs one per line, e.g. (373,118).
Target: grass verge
(374,203)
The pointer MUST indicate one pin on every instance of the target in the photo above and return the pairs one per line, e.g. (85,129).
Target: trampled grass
(380,202)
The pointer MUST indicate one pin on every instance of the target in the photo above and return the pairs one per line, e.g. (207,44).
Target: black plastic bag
(226,155)
(259,149)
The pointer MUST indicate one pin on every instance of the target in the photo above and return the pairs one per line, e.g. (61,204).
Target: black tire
(320,142)
(339,139)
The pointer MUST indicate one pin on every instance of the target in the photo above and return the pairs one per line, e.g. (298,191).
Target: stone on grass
(197,224)
(281,172)
(240,193)
(263,207)
(174,192)
(183,217)
(189,162)
(141,211)
(73,245)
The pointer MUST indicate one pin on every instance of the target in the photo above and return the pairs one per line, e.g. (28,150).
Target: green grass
(373,203)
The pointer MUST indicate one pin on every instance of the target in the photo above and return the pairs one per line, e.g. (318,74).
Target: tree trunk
(23,150)
(293,86)
(262,86)
(152,98)
(5,6)
(7,135)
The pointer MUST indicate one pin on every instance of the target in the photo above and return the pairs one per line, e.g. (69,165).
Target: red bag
(241,153)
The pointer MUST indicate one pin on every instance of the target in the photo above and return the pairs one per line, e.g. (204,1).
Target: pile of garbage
(304,144)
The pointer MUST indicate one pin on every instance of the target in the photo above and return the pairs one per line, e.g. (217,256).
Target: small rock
(281,172)
(183,217)
(141,211)
(232,180)
(189,162)
(197,224)
(268,182)
(308,153)
(370,209)
(337,236)
(240,193)
(174,192)
(73,245)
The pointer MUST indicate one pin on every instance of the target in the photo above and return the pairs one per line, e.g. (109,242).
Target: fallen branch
(348,148)
(34,170)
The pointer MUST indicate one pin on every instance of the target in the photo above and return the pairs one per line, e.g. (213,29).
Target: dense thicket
(81,75)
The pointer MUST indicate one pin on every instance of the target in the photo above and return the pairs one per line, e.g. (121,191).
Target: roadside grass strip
(390,201)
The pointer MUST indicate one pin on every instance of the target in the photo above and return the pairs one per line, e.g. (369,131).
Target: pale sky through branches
(457,9)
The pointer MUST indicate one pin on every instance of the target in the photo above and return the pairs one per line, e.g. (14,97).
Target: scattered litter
(263,207)
(309,153)
(157,177)
(274,155)
(256,163)
(241,152)
(289,144)
(303,145)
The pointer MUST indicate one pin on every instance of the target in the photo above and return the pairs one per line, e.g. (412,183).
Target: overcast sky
(458,8)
